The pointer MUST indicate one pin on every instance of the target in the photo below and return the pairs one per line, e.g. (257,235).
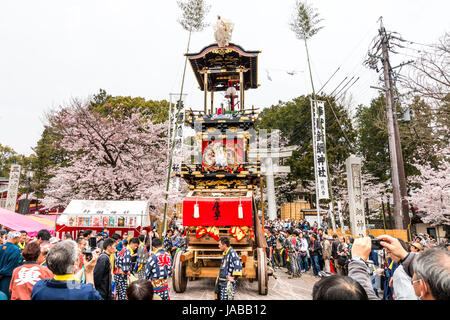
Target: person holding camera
(429,270)
(124,266)
(65,285)
(102,270)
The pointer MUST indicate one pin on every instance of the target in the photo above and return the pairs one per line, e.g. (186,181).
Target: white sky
(53,50)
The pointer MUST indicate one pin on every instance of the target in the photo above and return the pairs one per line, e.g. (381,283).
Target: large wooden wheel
(263,276)
(179,279)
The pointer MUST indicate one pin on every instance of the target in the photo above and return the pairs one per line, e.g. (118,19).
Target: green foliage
(157,111)
(293,119)
(417,138)
(7,157)
(373,139)
(47,157)
(305,21)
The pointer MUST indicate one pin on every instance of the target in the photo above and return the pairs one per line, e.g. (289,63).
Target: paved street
(281,288)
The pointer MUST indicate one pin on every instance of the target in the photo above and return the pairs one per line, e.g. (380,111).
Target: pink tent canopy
(17,222)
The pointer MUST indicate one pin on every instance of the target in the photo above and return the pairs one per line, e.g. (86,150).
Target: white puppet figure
(222,31)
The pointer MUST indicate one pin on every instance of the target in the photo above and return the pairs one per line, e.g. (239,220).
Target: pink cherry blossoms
(112,158)
(433,198)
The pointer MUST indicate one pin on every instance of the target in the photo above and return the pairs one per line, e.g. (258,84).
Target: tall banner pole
(313,125)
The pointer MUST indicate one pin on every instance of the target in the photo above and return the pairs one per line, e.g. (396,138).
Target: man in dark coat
(103,270)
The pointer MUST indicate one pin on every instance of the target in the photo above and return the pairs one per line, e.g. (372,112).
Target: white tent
(139,210)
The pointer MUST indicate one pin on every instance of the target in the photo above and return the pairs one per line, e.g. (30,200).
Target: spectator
(43,236)
(415,247)
(62,259)
(168,245)
(67,236)
(303,253)
(342,252)
(121,244)
(271,244)
(45,247)
(429,270)
(315,251)
(91,241)
(141,290)
(100,240)
(103,270)
(357,268)
(124,268)
(23,240)
(400,281)
(25,276)
(142,257)
(105,233)
(338,288)
(10,259)
(81,244)
(326,253)
(278,259)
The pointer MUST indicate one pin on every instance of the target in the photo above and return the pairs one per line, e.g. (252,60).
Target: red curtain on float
(217,211)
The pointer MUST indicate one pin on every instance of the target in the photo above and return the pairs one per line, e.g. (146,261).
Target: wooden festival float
(223,181)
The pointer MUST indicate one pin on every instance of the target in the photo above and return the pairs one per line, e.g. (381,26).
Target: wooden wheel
(263,277)
(179,279)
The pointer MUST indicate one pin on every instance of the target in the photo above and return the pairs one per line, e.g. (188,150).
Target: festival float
(223,180)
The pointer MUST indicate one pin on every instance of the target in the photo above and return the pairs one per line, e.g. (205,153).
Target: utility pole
(398,214)
(403,204)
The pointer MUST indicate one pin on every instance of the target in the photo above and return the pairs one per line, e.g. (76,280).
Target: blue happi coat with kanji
(159,265)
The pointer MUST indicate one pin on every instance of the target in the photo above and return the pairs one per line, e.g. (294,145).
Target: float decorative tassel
(240,210)
(196,211)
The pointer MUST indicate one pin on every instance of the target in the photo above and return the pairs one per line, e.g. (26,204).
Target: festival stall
(17,222)
(117,216)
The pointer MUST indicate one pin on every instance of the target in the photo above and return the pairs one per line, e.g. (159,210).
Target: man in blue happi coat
(10,258)
(124,267)
(230,269)
(159,269)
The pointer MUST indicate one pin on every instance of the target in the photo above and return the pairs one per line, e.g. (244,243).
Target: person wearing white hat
(10,258)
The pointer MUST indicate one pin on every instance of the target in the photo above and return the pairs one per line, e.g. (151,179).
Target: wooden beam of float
(241,88)
(205,84)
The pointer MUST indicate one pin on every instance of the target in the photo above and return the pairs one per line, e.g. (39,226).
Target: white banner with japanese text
(320,156)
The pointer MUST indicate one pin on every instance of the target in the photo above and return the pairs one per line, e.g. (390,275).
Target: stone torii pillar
(270,169)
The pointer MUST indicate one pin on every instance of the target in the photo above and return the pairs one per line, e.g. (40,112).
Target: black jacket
(334,249)
(315,249)
(102,277)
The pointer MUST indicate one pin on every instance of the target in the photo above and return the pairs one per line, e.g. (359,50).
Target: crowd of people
(106,266)
(344,262)
(100,266)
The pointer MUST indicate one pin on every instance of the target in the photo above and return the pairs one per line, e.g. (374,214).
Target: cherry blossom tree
(112,158)
(432,192)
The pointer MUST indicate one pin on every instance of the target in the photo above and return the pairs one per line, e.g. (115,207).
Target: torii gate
(269,168)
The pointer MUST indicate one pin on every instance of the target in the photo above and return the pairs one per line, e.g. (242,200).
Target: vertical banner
(177,132)
(320,156)
(13,187)
(355,196)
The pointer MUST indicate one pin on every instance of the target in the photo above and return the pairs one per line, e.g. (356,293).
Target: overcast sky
(53,50)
